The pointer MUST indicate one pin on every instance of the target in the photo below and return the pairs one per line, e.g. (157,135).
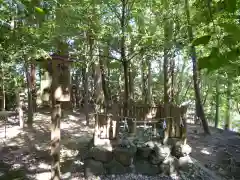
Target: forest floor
(25,153)
(219,152)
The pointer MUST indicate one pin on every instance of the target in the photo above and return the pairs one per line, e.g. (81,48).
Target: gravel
(132,177)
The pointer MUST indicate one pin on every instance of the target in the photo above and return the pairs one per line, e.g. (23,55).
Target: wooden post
(58,88)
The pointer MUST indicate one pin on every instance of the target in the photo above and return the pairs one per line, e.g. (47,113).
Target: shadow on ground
(219,152)
(25,154)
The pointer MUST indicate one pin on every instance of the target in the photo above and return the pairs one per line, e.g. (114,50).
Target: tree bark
(123,56)
(104,82)
(200,109)
(3,94)
(33,86)
(30,97)
(217,103)
(228,122)
(19,108)
(131,84)
(149,94)
(86,93)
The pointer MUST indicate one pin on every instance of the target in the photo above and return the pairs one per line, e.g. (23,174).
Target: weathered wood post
(57,88)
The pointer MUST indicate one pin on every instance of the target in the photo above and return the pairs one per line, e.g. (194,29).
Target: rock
(172,141)
(143,152)
(159,153)
(150,144)
(125,155)
(144,167)
(115,167)
(180,150)
(93,167)
(169,166)
(101,153)
(222,171)
(185,163)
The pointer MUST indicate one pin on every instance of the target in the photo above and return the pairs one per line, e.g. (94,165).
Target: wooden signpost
(57,88)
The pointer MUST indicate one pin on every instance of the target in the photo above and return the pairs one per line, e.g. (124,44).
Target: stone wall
(149,158)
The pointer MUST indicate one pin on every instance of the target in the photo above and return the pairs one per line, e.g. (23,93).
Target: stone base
(150,158)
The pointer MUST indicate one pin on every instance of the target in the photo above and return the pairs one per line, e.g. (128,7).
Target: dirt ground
(25,153)
(219,152)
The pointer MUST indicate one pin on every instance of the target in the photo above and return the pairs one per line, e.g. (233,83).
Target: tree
(200,111)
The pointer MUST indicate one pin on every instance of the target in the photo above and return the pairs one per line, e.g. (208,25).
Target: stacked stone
(150,158)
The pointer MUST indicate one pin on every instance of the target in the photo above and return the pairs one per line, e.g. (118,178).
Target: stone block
(93,168)
(101,153)
(146,168)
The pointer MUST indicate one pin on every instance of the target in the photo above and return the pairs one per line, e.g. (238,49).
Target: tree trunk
(77,89)
(131,84)
(228,122)
(217,103)
(3,94)
(30,97)
(149,94)
(104,82)
(171,69)
(200,109)
(166,77)
(123,56)
(98,94)
(19,108)
(143,79)
(166,64)
(33,87)
(86,93)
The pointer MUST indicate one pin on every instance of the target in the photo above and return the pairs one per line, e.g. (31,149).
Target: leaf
(230,5)
(202,40)
(204,62)
(229,40)
(232,29)
(39,10)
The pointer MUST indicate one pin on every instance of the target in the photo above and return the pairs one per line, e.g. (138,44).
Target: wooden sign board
(56,78)
(61,80)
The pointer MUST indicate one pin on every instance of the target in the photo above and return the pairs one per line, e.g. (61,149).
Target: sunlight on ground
(43,176)
(68,153)
(74,140)
(206,151)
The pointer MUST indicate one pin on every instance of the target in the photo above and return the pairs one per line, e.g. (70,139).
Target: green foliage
(230,5)
(204,40)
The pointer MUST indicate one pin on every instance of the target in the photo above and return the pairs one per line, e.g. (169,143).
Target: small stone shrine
(130,153)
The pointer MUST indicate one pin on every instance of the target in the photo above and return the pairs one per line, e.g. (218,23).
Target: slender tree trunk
(86,94)
(200,109)
(166,62)
(228,122)
(33,86)
(149,94)
(166,77)
(19,108)
(3,94)
(104,82)
(171,69)
(123,56)
(77,93)
(131,84)
(217,103)
(30,97)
